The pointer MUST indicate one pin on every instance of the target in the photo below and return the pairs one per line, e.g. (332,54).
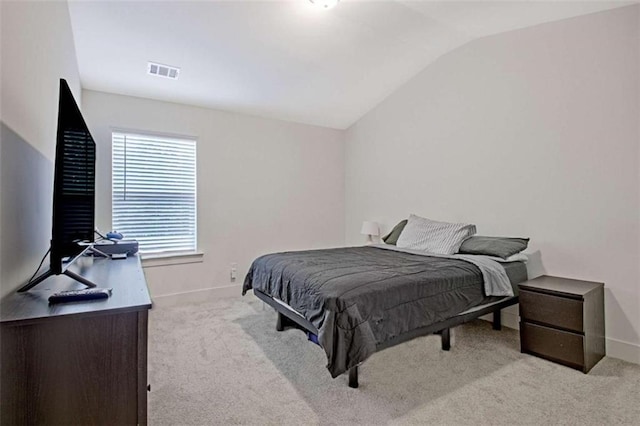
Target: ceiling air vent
(166,71)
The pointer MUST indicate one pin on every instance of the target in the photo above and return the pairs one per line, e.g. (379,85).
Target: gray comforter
(360,297)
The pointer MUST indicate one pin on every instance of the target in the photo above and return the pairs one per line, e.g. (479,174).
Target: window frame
(161,258)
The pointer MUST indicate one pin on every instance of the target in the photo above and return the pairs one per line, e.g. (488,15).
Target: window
(154,191)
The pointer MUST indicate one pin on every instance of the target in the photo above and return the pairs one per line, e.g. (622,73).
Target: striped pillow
(434,237)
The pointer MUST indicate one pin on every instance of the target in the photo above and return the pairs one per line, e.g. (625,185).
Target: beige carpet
(223,363)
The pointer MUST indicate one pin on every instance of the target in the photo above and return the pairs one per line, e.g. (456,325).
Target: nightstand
(562,320)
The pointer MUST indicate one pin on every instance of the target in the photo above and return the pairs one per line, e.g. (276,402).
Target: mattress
(516,271)
(361,297)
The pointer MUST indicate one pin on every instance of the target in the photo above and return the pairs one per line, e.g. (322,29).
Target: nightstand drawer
(560,346)
(552,310)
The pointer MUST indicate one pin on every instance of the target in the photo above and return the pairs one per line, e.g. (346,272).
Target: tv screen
(74,183)
(73,191)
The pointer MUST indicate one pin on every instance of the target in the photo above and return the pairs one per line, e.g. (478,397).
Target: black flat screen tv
(73,190)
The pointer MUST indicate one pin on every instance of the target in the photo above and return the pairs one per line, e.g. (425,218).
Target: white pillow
(434,237)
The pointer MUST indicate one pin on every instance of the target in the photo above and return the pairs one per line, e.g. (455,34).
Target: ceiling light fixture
(325,4)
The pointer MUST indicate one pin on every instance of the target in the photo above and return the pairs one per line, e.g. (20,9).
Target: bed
(356,301)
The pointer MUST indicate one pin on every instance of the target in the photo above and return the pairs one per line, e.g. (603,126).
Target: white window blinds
(154,191)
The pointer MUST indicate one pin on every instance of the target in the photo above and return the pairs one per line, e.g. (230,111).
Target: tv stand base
(65,271)
(50,273)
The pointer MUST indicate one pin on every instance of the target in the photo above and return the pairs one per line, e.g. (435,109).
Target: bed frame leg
(497,320)
(446,339)
(353,377)
(280,322)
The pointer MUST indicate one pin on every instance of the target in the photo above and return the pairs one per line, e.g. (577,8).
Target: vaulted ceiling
(286,59)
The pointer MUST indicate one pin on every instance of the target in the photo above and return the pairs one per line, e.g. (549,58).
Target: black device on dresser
(562,320)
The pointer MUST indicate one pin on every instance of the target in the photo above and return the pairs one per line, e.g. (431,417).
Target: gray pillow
(493,246)
(392,237)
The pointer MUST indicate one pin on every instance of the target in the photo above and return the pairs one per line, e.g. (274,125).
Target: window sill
(167,259)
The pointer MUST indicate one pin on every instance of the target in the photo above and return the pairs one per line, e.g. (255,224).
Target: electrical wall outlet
(234,271)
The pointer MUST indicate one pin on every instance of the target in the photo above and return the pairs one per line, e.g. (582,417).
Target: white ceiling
(286,59)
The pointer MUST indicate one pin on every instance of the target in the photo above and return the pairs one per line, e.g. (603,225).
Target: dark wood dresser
(79,362)
(562,320)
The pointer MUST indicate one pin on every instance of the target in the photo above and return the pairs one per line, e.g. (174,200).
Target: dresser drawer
(561,346)
(552,310)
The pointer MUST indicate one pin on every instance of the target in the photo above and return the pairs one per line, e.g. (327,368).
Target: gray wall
(37,50)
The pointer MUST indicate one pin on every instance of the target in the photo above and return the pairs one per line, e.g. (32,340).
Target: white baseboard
(196,296)
(625,351)
(618,349)
(509,319)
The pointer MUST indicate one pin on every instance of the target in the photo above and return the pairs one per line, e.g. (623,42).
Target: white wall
(263,185)
(527,133)
(533,132)
(37,50)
